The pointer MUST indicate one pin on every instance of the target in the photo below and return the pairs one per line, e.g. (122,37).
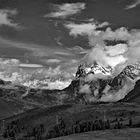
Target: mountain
(95,84)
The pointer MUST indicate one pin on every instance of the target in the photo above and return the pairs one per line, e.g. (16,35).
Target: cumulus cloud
(133,4)
(130,50)
(84,28)
(119,34)
(99,55)
(66,10)
(116,49)
(5,17)
(76,29)
(99,37)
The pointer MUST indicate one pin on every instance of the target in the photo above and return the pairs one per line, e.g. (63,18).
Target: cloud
(48,78)
(58,84)
(78,50)
(85,89)
(9,64)
(119,54)
(63,53)
(5,18)
(12,65)
(116,49)
(53,61)
(58,41)
(99,37)
(123,53)
(119,34)
(39,52)
(34,75)
(66,10)
(30,65)
(98,54)
(42,55)
(84,28)
(133,4)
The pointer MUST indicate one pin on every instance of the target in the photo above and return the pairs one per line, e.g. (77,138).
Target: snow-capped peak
(96,69)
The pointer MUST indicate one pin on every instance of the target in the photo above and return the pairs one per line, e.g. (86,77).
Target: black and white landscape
(69,69)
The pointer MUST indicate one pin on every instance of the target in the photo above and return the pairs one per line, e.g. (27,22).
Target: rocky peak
(132,71)
(95,68)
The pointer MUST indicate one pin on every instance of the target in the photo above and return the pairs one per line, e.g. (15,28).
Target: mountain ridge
(84,88)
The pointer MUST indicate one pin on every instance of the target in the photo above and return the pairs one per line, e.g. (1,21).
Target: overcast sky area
(52,37)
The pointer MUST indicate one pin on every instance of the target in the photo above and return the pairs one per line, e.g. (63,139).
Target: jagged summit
(94,69)
(132,71)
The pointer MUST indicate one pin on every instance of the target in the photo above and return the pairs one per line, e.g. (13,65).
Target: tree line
(40,132)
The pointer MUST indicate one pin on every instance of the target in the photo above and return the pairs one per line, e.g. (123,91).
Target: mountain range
(92,84)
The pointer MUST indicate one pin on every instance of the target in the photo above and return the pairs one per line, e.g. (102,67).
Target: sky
(52,37)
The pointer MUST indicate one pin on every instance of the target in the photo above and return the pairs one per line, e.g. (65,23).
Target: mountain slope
(9,108)
(133,95)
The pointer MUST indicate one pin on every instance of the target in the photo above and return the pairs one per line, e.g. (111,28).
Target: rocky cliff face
(95,84)
(134,95)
